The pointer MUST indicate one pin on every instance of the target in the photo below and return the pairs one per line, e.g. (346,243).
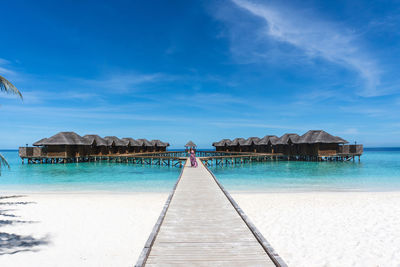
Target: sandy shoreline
(76,229)
(328,228)
(110,229)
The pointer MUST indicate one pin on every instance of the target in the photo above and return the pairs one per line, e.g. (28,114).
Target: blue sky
(201,70)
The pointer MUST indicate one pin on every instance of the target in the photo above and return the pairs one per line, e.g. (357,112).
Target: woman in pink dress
(193,161)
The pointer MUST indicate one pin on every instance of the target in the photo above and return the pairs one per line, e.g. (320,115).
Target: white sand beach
(76,229)
(328,229)
(110,229)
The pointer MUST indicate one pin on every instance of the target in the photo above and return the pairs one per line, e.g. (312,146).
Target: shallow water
(93,176)
(377,171)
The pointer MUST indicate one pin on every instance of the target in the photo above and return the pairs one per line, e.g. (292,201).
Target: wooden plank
(200,226)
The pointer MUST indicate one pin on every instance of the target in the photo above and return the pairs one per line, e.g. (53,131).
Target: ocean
(379,170)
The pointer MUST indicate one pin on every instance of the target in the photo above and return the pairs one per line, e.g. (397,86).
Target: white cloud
(317,39)
(122,82)
(4,70)
(349,131)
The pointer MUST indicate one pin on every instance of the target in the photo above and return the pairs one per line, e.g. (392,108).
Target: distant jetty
(314,145)
(70,147)
(67,147)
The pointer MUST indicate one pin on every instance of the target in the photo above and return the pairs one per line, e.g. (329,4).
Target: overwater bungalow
(97,146)
(319,143)
(313,145)
(116,145)
(250,144)
(286,144)
(133,145)
(159,146)
(144,145)
(190,145)
(237,145)
(65,145)
(71,147)
(267,144)
(222,145)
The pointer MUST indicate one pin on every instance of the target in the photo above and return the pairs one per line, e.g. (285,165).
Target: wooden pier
(177,158)
(201,225)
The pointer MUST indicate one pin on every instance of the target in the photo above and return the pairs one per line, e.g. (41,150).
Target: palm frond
(4,162)
(8,87)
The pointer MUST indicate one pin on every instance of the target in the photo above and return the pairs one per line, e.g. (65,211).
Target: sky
(201,70)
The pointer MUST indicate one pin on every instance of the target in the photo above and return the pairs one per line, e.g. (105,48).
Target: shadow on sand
(11,243)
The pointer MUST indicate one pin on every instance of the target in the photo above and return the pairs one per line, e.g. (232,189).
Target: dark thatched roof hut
(66,144)
(94,139)
(250,144)
(319,136)
(287,138)
(265,144)
(190,144)
(268,139)
(223,142)
(130,141)
(115,141)
(144,142)
(285,143)
(251,141)
(159,143)
(238,142)
(40,142)
(65,138)
(117,146)
(133,146)
(319,143)
(222,145)
(98,145)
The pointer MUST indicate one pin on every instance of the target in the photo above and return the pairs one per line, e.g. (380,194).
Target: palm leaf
(4,162)
(8,87)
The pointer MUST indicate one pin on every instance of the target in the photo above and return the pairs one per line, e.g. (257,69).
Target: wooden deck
(201,225)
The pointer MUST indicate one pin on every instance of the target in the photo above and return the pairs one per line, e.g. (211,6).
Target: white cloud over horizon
(318,39)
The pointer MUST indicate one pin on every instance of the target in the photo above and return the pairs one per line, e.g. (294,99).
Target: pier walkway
(201,225)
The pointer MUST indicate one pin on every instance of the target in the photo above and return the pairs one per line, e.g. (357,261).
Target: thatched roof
(251,141)
(268,139)
(144,142)
(159,143)
(284,139)
(319,136)
(40,142)
(223,142)
(190,144)
(65,138)
(343,140)
(95,138)
(131,141)
(237,141)
(116,141)
(164,144)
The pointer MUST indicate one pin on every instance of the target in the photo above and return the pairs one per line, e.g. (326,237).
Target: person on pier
(193,161)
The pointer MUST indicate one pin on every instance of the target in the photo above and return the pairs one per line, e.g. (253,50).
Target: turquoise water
(91,176)
(377,171)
